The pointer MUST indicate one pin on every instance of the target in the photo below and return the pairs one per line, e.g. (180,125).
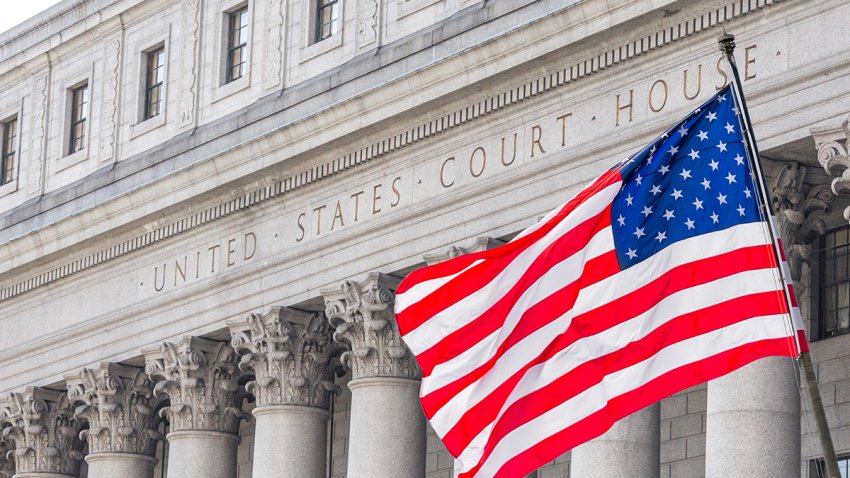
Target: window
(154,76)
(237,44)
(7,159)
(327,19)
(817,468)
(834,283)
(79,112)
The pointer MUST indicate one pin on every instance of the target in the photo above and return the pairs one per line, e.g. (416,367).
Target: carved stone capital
(7,463)
(833,145)
(480,244)
(41,424)
(199,377)
(291,355)
(118,403)
(362,313)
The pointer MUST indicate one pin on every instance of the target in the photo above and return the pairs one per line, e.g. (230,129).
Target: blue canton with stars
(692,180)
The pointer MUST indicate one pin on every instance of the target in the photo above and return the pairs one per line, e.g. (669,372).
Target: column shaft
(753,422)
(289,442)
(202,453)
(630,449)
(122,465)
(387,429)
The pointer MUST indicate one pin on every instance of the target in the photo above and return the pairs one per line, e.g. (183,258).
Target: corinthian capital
(118,403)
(41,424)
(833,145)
(199,377)
(7,464)
(362,313)
(480,244)
(290,353)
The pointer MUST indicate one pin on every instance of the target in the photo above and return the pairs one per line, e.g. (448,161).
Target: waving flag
(659,275)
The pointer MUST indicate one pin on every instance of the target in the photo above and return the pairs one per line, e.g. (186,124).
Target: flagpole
(727,46)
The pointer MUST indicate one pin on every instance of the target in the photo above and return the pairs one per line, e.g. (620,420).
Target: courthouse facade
(205,207)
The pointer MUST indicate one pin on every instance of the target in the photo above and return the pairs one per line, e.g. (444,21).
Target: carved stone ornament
(118,403)
(832,145)
(291,355)
(480,244)
(41,425)
(362,313)
(7,462)
(795,203)
(199,376)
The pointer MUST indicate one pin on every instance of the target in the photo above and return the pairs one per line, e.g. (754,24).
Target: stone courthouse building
(205,207)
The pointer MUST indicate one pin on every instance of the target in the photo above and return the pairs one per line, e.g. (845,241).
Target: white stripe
(560,275)
(424,288)
(595,346)
(615,384)
(470,307)
(591,297)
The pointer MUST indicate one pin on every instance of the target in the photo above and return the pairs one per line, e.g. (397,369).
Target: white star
(656,190)
(631,253)
(652,150)
(685,174)
(714,164)
(629,199)
(661,236)
(689,223)
(715,218)
(665,136)
(729,128)
(739,159)
(673,150)
(677,194)
(694,154)
(722,146)
(722,198)
(711,116)
(698,203)
(639,232)
(664,169)
(646,211)
(706,184)
(682,130)
(721,98)
(731,178)
(747,192)
(702,135)
(668,214)
(621,220)
(735,110)
(741,210)
(639,179)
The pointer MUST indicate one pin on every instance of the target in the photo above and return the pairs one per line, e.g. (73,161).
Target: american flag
(658,276)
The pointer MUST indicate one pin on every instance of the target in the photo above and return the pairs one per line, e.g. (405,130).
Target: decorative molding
(39,117)
(109,109)
(480,244)
(191,32)
(399,141)
(291,354)
(367,22)
(45,433)
(362,313)
(118,403)
(199,376)
(273,44)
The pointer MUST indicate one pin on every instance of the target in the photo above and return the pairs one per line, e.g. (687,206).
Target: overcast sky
(16,11)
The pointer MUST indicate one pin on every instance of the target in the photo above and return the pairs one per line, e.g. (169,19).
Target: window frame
(7,171)
(159,86)
(824,288)
(817,466)
(82,121)
(318,22)
(242,12)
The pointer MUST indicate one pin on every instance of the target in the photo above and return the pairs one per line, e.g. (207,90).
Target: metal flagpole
(727,46)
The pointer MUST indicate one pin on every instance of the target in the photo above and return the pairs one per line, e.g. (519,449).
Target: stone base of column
(753,422)
(630,449)
(122,465)
(387,434)
(290,441)
(202,453)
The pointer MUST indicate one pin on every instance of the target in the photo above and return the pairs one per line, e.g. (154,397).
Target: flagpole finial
(727,43)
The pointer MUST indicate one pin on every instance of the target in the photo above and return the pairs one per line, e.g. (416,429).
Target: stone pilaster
(118,403)
(291,354)
(387,430)
(199,377)
(40,423)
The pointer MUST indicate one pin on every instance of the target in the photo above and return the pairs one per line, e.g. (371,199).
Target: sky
(15,11)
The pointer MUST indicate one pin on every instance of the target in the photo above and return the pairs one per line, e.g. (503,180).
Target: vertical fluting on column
(291,355)
(41,424)
(117,402)
(199,377)
(387,434)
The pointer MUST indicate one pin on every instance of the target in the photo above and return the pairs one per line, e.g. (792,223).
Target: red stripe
(621,406)
(493,318)
(594,321)
(792,294)
(781,250)
(804,341)
(457,264)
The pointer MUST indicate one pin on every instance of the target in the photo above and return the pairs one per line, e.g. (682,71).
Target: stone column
(45,433)
(290,354)
(387,434)
(199,377)
(630,449)
(118,404)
